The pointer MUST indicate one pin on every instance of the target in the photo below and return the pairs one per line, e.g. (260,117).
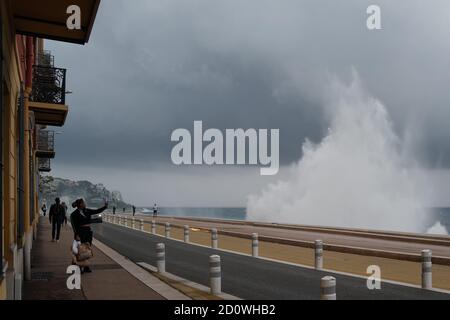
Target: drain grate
(42,276)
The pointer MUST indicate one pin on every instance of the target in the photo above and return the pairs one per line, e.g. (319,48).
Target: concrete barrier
(215,275)
(214,239)
(161,257)
(427,275)
(153,227)
(186,234)
(255,245)
(167,230)
(328,288)
(141,225)
(318,254)
(133,223)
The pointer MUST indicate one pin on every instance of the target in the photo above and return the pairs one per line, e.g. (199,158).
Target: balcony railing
(44,165)
(46,59)
(49,85)
(45,144)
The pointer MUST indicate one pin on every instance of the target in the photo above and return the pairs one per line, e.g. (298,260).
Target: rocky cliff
(68,191)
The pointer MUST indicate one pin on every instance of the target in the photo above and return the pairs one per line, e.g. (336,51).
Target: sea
(434,216)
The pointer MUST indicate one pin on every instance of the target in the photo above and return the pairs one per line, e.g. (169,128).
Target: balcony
(44,165)
(48,96)
(45,144)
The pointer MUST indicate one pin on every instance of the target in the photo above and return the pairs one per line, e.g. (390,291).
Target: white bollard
(153,227)
(214,239)
(18,285)
(255,245)
(186,234)
(215,275)
(318,254)
(427,265)
(167,230)
(142,225)
(161,257)
(328,288)
(133,223)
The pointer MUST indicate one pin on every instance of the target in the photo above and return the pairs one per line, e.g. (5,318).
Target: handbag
(84,252)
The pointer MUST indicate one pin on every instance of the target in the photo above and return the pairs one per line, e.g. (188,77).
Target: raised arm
(91,212)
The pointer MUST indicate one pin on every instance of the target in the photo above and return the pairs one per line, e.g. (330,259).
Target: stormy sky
(154,66)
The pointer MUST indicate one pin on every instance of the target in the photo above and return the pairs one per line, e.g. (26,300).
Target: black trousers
(86,235)
(56,229)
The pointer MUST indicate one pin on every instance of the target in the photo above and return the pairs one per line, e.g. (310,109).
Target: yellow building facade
(32,101)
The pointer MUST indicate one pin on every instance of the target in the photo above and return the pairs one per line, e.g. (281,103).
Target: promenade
(109,280)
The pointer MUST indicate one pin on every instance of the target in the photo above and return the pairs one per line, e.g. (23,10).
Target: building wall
(15,57)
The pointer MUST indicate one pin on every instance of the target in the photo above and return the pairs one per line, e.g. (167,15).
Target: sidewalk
(109,280)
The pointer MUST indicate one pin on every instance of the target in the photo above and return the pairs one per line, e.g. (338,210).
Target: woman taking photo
(81,222)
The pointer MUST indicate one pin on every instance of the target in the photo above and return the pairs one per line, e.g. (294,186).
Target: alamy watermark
(234,147)
(374,20)
(74,280)
(73,22)
(374,280)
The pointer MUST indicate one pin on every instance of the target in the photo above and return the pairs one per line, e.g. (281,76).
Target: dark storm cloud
(154,66)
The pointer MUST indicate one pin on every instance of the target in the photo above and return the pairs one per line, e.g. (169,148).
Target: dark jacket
(79,218)
(57,213)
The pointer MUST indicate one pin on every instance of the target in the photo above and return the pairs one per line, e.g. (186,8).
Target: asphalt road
(247,277)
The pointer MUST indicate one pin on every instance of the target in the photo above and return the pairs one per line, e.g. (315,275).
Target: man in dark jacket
(57,215)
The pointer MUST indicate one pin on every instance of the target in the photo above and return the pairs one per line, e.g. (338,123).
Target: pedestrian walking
(57,217)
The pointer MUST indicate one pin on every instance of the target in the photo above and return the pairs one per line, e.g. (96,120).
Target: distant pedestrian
(114,209)
(64,205)
(155,211)
(123,209)
(44,209)
(134,210)
(57,216)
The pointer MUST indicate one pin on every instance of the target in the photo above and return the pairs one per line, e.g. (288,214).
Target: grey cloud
(154,66)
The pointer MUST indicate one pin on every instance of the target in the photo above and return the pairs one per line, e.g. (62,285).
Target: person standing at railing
(155,211)
(134,210)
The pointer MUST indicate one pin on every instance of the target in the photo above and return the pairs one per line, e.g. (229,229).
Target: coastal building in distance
(32,99)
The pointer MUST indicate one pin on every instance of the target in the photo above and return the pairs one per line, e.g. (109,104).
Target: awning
(47,19)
